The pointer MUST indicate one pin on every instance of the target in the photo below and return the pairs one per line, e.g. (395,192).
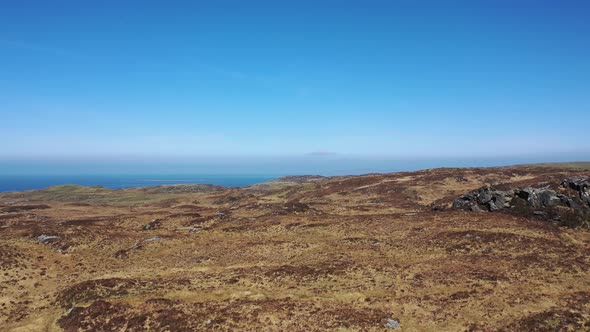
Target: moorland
(448,249)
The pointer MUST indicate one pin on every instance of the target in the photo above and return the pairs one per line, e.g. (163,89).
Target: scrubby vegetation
(370,253)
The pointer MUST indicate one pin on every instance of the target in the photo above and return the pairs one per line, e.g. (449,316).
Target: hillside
(374,252)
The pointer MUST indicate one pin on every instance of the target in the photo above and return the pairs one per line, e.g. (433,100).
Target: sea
(17,175)
(30,182)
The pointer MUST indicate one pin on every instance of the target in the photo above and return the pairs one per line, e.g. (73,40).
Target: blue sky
(240,79)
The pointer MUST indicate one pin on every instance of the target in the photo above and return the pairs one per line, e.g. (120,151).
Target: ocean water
(17,175)
(30,182)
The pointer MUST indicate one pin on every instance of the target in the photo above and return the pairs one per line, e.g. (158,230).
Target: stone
(567,207)
(484,195)
(578,183)
(567,201)
(475,208)
(549,198)
(531,195)
(581,184)
(492,206)
(497,202)
(392,324)
(44,238)
(460,202)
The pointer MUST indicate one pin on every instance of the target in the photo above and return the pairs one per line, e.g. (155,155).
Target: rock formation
(568,205)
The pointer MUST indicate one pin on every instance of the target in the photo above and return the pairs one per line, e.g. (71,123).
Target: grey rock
(475,208)
(44,238)
(581,184)
(393,324)
(498,201)
(492,206)
(536,201)
(524,193)
(484,199)
(484,195)
(567,201)
(153,238)
(539,197)
(578,183)
(460,202)
(531,195)
(549,198)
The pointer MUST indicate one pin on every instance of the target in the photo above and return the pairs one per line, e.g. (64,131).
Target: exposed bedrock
(568,204)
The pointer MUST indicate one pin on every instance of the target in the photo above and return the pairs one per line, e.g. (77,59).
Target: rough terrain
(361,253)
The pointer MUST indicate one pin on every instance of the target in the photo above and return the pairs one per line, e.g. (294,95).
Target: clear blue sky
(399,79)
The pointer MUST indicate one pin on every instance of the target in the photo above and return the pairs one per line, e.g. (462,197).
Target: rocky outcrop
(581,184)
(484,199)
(567,204)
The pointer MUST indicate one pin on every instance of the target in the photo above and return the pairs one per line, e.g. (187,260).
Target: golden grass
(263,266)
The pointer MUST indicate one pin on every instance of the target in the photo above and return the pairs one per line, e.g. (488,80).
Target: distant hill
(579,165)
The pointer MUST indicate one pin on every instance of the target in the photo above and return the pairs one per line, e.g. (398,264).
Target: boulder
(484,199)
(580,184)
(577,183)
(539,197)
(461,202)
(570,206)
(549,198)
(485,195)
(500,200)
(531,195)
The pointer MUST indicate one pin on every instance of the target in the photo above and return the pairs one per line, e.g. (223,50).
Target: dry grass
(338,254)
